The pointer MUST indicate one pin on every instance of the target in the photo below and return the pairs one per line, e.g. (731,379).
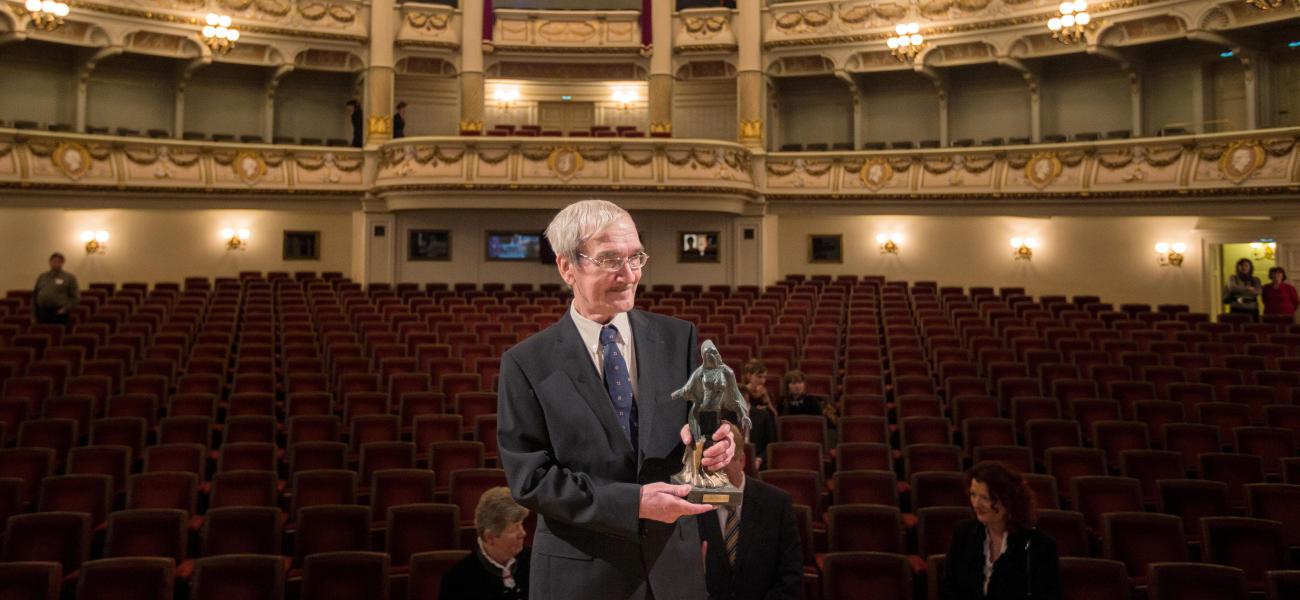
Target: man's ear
(565,267)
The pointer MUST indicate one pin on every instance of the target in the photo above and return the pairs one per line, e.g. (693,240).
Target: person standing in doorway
(56,294)
(1280,297)
(399,121)
(358,123)
(1241,293)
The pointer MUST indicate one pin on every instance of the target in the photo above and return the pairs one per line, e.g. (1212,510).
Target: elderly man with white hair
(589,433)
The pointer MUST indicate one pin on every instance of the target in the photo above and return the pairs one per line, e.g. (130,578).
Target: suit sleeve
(952,566)
(789,568)
(1045,570)
(539,482)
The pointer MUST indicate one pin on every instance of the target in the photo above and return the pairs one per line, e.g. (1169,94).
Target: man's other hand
(664,502)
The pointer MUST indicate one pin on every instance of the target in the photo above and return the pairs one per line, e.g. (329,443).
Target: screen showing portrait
(697,246)
(514,245)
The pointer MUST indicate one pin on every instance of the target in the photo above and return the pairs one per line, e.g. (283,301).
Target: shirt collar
(506,571)
(590,330)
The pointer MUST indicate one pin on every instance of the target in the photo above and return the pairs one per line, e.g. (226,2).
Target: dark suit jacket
(769,558)
(1028,563)
(567,459)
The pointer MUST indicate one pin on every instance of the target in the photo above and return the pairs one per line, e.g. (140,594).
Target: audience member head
(1277,275)
(1000,497)
(599,254)
(56,261)
(755,380)
(499,522)
(1245,268)
(401,106)
(353,106)
(792,385)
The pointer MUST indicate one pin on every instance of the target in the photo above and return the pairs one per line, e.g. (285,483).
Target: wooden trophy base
(728,495)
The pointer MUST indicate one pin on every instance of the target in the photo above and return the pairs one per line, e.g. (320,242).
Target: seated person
(753,385)
(498,567)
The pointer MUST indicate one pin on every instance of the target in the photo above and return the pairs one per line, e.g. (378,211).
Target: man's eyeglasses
(615,263)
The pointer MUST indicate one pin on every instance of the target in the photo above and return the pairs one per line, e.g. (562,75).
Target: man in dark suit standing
(752,551)
(588,431)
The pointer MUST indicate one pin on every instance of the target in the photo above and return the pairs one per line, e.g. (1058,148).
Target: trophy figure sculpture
(710,390)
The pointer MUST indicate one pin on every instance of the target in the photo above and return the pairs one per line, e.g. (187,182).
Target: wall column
(661,67)
(471,65)
(83,83)
(1035,109)
(272,87)
(749,79)
(1135,102)
(1250,62)
(379,75)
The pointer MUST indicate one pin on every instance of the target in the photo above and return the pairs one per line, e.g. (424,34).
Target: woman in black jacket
(1000,555)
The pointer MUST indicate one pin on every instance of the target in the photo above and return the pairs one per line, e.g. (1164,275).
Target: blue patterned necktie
(618,383)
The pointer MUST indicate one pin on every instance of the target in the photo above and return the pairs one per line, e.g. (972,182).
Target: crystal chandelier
(1073,22)
(908,43)
(47,15)
(218,34)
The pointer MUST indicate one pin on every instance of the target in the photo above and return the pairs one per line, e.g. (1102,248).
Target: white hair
(579,222)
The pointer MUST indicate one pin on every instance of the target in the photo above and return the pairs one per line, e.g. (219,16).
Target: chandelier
(218,34)
(47,15)
(1265,4)
(908,43)
(1073,22)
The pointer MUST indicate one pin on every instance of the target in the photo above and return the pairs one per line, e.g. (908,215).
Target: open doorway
(1262,255)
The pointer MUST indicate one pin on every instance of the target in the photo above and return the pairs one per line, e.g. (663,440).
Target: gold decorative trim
(72,159)
(1241,160)
(565,161)
(380,125)
(249,167)
(1042,169)
(569,49)
(471,125)
(661,127)
(875,173)
(194,21)
(751,130)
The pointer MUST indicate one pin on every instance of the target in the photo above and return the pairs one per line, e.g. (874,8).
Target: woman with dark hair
(1280,297)
(753,385)
(1241,293)
(999,554)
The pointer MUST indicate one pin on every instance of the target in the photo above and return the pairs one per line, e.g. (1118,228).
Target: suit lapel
(650,364)
(578,366)
(751,518)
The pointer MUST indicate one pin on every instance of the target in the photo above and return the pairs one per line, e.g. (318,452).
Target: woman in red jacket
(1279,297)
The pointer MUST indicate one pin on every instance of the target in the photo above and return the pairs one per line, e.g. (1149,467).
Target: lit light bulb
(914,28)
(1162,247)
(33,5)
(86,236)
(1080,5)
(1067,20)
(916,39)
(1179,247)
(244,234)
(101,236)
(1256,245)
(1082,18)
(881,238)
(904,41)
(61,10)
(233,35)
(1054,24)
(209,31)
(892,42)
(227,233)
(901,29)
(213,19)
(1031,243)
(1016,243)
(221,32)
(1067,8)
(48,6)
(896,237)
(225,21)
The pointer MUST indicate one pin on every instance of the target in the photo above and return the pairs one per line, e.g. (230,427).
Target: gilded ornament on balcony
(1042,169)
(875,173)
(249,167)
(72,159)
(1241,160)
(751,130)
(380,125)
(471,125)
(661,127)
(565,162)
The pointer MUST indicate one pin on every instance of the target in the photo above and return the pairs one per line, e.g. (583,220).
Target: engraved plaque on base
(728,495)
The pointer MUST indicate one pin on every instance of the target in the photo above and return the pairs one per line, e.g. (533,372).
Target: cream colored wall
(1084,93)
(39,83)
(131,91)
(163,245)
(899,106)
(311,104)
(1286,90)
(815,110)
(705,109)
(987,101)
(1171,85)
(1110,257)
(226,99)
(659,235)
(433,104)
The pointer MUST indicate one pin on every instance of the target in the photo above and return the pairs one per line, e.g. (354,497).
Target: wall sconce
(625,97)
(889,242)
(236,240)
(1023,248)
(96,241)
(1264,250)
(1170,255)
(506,96)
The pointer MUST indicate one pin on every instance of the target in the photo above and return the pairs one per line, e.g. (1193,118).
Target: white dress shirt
(590,332)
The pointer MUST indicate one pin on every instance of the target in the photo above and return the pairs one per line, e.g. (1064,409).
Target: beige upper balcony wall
(329,19)
(704,30)
(567,31)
